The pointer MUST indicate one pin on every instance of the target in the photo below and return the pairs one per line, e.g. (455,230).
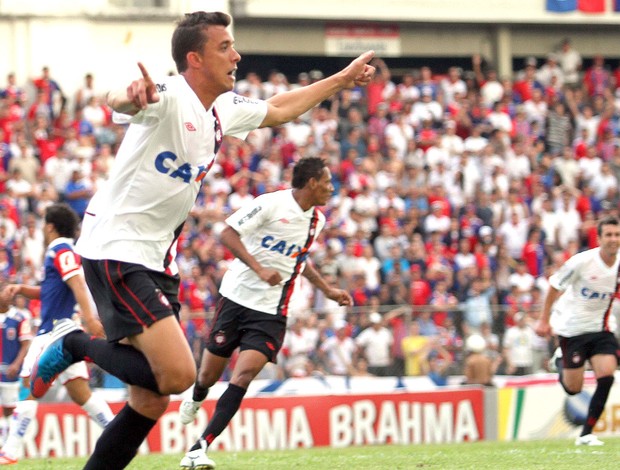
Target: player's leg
(168,353)
(224,337)
(248,365)
(211,369)
(604,362)
(571,365)
(134,303)
(120,440)
(9,396)
(79,391)
(25,409)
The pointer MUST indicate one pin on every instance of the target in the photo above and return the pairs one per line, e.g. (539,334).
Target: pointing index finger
(145,74)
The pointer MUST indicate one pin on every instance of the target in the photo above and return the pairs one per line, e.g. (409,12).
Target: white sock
(98,410)
(4,429)
(24,413)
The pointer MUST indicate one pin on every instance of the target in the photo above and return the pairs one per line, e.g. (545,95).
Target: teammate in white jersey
(578,310)
(270,238)
(129,234)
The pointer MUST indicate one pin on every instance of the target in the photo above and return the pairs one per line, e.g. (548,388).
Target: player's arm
(16,365)
(542,327)
(136,97)
(285,107)
(231,240)
(80,291)
(339,295)
(30,292)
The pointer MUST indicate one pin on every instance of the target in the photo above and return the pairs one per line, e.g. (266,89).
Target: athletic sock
(597,403)
(225,409)
(561,376)
(200,392)
(120,440)
(98,410)
(24,413)
(123,361)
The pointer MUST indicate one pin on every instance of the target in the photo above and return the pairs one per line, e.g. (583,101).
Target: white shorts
(74,371)
(9,394)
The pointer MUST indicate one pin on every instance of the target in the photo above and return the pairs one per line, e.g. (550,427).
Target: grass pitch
(540,455)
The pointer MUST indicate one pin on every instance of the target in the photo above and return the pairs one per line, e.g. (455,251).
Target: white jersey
(589,286)
(278,233)
(167,150)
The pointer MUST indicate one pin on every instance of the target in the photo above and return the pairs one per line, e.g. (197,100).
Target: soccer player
(578,310)
(15,338)
(131,225)
(270,238)
(63,285)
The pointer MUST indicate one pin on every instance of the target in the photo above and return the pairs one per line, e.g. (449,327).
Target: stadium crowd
(457,195)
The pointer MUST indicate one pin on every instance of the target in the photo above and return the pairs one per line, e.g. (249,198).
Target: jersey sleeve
(25,330)
(152,112)
(67,263)
(239,115)
(567,273)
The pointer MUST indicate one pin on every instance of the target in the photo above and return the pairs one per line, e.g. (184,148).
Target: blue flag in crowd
(617,5)
(561,6)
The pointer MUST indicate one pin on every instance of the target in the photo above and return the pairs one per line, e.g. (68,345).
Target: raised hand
(143,91)
(359,72)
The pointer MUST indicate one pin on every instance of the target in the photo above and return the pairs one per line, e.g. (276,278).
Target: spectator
(374,344)
(478,366)
(518,347)
(337,352)
(415,350)
(570,63)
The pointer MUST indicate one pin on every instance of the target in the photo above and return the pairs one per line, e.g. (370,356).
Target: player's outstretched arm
(136,97)
(285,107)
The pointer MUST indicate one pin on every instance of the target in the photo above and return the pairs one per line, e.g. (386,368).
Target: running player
(578,310)
(128,241)
(270,238)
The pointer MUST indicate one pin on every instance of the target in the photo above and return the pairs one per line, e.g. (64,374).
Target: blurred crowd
(458,193)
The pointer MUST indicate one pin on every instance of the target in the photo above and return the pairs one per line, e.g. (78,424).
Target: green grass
(551,454)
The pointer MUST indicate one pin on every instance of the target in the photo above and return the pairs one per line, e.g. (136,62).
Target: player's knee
(177,382)
(243,378)
(150,405)
(207,378)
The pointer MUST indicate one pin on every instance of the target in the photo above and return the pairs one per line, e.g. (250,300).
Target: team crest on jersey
(162,298)
(190,127)
(220,338)
(11,334)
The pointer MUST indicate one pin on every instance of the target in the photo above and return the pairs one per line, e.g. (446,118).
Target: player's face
(324,188)
(609,239)
(219,59)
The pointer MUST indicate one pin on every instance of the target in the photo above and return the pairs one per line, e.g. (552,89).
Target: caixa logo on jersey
(594,295)
(164,163)
(285,248)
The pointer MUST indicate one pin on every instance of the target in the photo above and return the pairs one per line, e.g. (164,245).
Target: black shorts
(577,349)
(237,326)
(130,297)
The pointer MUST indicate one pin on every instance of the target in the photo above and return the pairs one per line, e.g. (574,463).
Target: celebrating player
(130,227)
